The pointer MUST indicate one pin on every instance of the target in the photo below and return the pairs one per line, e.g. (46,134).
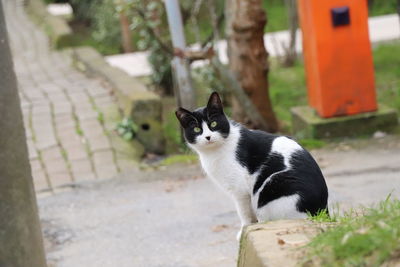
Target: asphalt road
(176,217)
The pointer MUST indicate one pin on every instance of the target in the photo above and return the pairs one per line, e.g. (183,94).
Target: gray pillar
(21,243)
(180,66)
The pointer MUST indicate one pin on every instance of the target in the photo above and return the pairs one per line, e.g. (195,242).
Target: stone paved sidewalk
(67,118)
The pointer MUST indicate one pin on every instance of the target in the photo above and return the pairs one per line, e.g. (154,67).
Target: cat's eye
(196,129)
(213,124)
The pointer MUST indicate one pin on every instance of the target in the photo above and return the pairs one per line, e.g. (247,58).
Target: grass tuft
(322,216)
(367,239)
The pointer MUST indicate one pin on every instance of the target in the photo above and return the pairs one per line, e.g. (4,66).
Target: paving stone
(82,170)
(56,166)
(57,98)
(79,98)
(40,181)
(36,165)
(58,101)
(91,128)
(51,154)
(62,108)
(99,142)
(64,120)
(87,113)
(71,140)
(76,152)
(41,110)
(60,179)
(104,164)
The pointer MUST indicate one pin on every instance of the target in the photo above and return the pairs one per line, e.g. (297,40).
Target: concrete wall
(21,241)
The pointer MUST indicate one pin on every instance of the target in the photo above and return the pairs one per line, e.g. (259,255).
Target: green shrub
(105,23)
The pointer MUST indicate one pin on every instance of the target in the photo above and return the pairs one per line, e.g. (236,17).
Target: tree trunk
(126,33)
(248,60)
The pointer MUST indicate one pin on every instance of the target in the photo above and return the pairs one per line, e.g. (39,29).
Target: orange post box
(338,58)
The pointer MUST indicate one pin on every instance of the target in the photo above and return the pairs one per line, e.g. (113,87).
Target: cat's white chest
(225,170)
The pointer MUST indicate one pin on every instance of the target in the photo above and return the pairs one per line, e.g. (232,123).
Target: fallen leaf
(219,228)
(281,241)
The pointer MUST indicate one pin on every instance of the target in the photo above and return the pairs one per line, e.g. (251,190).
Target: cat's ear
(184,116)
(214,105)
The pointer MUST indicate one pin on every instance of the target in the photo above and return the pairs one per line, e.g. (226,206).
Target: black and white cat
(269,177)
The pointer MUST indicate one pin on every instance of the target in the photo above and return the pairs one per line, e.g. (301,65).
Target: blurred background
(99,82)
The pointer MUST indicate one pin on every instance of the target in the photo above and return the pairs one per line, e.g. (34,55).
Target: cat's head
(206,127)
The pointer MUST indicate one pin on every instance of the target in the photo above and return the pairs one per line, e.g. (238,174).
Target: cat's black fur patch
(253,148)
(273,164)
(304,178)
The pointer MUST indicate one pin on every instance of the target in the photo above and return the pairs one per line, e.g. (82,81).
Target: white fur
(281,208)
(218,159)
(286,147)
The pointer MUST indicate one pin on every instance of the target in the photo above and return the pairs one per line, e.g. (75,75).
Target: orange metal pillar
(338,58)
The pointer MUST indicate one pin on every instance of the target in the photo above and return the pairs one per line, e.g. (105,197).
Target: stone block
(274,243)
(145,111)
(307,124)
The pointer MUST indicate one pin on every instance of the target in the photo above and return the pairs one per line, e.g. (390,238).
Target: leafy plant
(127,129)
(105,23)
(149,21)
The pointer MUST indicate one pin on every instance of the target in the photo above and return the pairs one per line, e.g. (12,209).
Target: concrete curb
(143,106)
(276,243)
(57,28)
(307,124)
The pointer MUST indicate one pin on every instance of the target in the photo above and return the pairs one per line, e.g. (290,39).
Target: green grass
(181,158)
(367,239)
(322,216)
(278,19)
(287,89)
(382,7)
(387,74)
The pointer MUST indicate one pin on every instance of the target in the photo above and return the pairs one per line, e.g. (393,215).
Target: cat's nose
(208,138)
